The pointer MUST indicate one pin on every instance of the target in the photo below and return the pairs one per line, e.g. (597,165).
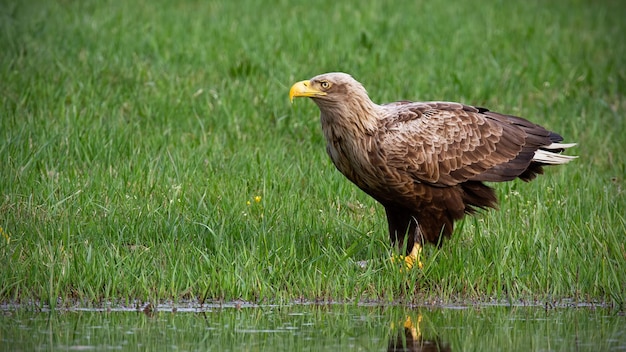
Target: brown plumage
(425,162)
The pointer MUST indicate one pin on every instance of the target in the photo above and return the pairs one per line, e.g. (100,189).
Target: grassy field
(148,150)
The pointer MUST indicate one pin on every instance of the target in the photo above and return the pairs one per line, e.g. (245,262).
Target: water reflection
(410,339)
(315,327)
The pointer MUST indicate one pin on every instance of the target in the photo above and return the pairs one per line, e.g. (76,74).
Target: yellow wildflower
(5,235)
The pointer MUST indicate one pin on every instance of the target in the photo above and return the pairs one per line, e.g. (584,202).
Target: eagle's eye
(325,84)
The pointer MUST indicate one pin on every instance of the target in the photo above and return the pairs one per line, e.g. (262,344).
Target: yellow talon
(412,258)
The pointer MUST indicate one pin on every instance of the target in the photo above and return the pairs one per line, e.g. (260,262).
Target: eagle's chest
(341,158)
(352,157)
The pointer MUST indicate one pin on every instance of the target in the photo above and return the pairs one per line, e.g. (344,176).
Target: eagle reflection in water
(409,339)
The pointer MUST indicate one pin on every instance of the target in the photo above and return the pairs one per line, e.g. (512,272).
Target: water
(334,327)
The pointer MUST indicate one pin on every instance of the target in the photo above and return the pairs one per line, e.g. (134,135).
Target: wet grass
(148,150)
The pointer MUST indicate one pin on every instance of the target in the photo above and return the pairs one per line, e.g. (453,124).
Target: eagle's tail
(547,154)
(551,154)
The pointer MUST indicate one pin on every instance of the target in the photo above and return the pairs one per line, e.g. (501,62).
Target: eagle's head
(329,89)
(342,101)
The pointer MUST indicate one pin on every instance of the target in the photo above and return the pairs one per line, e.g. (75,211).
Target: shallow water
(335,327)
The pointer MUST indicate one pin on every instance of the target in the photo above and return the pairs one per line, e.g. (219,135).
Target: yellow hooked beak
(304,89)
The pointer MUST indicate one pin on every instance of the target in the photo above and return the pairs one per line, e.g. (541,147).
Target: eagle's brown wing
(445,144)
(441,153)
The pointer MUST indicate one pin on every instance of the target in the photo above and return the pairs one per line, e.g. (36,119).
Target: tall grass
(148,149)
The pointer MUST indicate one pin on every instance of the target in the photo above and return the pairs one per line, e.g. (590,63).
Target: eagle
(425,162)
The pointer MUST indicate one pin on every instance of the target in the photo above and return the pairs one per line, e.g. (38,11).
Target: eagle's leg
(403,226)
(414,256)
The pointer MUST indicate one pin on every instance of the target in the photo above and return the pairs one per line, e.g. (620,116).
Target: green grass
(135,136)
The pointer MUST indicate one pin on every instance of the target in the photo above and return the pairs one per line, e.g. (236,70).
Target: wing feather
(445,144)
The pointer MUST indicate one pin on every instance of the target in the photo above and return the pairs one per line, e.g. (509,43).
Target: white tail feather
(560,145)
(546,157)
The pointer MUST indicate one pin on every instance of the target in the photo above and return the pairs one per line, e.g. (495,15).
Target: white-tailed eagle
(425,162)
